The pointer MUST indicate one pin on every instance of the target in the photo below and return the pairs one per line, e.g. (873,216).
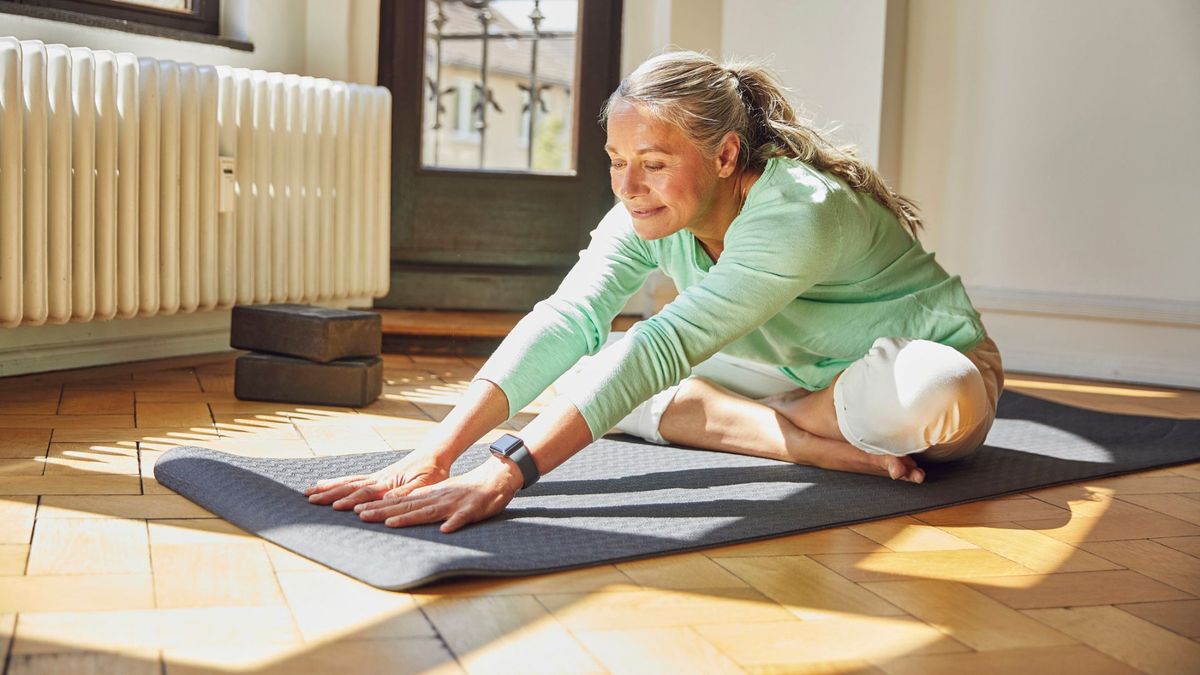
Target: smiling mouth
(645,213)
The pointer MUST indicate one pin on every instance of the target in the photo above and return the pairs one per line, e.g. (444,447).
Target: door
(499,171)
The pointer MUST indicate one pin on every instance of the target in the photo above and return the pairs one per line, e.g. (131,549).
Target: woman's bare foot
(846,457)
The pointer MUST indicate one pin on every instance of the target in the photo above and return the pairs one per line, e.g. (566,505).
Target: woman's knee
(908,396)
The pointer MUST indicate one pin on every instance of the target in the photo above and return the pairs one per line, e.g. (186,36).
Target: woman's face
(658,173)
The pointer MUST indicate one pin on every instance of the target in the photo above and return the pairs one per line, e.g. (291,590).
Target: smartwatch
(514,448)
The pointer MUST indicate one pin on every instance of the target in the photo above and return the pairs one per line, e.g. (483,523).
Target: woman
(810,327)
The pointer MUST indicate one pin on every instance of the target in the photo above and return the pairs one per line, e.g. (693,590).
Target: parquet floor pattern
(104,570)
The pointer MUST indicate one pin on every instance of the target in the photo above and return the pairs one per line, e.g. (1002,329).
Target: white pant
(904,396)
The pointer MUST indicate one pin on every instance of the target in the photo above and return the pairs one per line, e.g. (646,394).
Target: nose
(629,184)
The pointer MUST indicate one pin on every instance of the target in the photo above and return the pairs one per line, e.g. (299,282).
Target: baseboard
(1154,372)
(1139,340)
(1086,305)
(37,349)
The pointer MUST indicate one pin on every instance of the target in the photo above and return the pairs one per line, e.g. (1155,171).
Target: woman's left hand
(476,495)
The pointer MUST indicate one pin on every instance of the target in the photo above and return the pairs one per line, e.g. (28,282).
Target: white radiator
(113,201)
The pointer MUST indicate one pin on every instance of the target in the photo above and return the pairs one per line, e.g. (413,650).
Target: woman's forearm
(389,495)
(483,408)
(556,434)
(552,437)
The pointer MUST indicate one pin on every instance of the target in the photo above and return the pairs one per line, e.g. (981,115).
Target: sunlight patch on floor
(1109,390)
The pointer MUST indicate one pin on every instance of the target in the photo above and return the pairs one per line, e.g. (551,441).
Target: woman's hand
(473,496)
(416,470)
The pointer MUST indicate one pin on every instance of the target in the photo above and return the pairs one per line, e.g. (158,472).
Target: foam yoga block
(314,333)
(348,382)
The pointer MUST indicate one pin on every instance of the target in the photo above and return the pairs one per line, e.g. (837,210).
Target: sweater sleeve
(576,319)
(772,254)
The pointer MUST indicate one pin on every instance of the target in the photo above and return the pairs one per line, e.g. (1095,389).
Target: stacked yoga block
(305,354)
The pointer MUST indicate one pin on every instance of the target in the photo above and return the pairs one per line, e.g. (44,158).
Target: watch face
(507,444)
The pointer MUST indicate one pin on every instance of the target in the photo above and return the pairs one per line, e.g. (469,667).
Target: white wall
(830,54)
(1053,147)
(342,40)
(327,38)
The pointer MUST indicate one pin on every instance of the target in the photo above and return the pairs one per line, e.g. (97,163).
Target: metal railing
(534,89)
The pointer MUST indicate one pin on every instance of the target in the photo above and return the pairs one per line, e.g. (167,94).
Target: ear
(727,156)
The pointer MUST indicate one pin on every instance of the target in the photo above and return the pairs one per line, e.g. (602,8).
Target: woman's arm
(561,329)
(556,435)
(552,437)
(417,490)
(482,409)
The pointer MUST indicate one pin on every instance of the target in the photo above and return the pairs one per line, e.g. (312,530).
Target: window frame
(204,17)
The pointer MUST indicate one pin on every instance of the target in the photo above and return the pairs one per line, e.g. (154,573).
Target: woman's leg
(908,397)
(734,405)
(905,397)
(727,404)
(703,414)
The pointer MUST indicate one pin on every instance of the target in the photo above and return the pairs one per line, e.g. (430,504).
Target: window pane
(480,112)
(174,5)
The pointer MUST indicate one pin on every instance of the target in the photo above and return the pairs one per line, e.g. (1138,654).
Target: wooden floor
(104,570)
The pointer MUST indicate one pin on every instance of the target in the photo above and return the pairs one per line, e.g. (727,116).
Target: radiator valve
(227,185)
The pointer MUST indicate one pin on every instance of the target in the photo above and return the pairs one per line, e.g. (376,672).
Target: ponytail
(776,130)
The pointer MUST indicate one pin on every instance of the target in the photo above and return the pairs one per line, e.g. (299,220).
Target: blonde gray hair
(707,99)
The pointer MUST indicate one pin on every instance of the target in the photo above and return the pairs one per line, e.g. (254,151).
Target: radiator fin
(110,186)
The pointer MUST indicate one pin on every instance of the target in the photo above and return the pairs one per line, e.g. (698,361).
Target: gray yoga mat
(619,500)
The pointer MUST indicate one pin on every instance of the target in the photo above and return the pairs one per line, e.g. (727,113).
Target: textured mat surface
(619,500)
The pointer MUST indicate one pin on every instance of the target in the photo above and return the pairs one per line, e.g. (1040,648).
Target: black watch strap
(514,448)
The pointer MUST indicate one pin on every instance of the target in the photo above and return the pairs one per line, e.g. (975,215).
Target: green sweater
(812,273)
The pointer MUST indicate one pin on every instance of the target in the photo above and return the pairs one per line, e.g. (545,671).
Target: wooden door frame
(522,278)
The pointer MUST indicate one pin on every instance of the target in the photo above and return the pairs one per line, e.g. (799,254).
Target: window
(194,16)
(516,59)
